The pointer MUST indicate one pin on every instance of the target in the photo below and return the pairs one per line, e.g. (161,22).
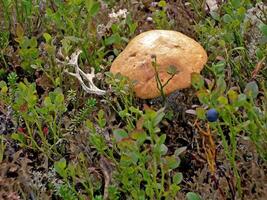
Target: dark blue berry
(212,115)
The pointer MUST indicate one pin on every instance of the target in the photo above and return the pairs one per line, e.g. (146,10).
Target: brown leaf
(19,31)
(139,124)
(220,58)
(258,67)
(44,82)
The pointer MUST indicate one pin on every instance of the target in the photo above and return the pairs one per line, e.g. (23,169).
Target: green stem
(31,136)
(4,60)
(6,14)
(162,179)
(154,163)
(17,11)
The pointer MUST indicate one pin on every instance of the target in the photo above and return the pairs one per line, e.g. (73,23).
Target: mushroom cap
(171,48)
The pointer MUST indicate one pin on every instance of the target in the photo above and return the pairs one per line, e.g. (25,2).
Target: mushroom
(171,48)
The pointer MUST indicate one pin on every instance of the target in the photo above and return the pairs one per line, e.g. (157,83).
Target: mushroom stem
(79,74)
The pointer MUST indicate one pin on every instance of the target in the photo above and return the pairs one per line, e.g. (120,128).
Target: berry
(45,130)
(212,115)
(21,130)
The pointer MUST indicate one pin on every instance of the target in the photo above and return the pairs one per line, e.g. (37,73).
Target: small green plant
(42,122)
(239,110)
(23,12)
(101,120)
(84,112)
(224,34)
(65,192)
(145,164)
(28,50)
(81,19)
(240,113)
(49,65)
(122,29)
(172,71)
(144,170)
(97,140)
(124,100)
(160,16)
(73,174)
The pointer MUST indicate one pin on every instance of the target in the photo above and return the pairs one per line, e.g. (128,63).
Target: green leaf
(215,15)
(232,95)
(3,84)
(219,68)
(71,170)
(201,113)
(131,24)
(33,42)
(124,113)
(98,197)
(197,80)
(89,124)
(135,110)
(59,98)
(60,167)
(162,4)
(222,100)
(19,137)
(172,70)
(94,9)
(252,89)
(163,149)
(173,190)
(235,3)
(120,134)
(241,12)
(242,99)
(113,39)
(180,150)
(57,81)
(19,31)
(227,18)
(88,5)
(98,142)
(263,28)
(221,85)
(101,118)
(204,96)
(159,116)
(192,196)
(139,136)
(177,178)
(47,37)
(172,162)
(161,139)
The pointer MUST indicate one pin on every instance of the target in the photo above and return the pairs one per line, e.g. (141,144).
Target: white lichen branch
(80,75)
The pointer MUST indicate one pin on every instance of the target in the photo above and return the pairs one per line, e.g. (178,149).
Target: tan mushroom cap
(170,48)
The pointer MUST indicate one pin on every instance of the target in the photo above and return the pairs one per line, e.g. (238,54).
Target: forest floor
(59,142)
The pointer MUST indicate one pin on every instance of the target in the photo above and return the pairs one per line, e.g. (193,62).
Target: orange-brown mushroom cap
(170,48)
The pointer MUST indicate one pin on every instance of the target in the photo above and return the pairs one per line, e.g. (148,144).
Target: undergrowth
(115,146)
